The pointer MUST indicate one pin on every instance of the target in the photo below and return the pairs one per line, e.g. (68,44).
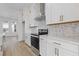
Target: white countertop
(69,40)
(73,41)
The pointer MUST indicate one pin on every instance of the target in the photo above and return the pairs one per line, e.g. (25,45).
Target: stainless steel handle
(56,52)
(56,43)
(61,18)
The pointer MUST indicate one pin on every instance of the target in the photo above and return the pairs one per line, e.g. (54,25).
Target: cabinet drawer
(65,45)
(54,43)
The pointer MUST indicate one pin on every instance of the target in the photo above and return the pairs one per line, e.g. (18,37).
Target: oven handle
(35,36)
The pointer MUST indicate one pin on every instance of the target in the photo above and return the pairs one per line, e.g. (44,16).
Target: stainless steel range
(35,39)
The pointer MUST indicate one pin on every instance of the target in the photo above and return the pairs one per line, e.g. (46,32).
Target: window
(5,27)
(14,27)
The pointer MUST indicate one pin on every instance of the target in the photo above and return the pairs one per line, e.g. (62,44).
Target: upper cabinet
(53,12)
(70,11)
(61,12)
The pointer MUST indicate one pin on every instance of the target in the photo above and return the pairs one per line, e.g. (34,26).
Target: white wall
(69,30)
(26,17)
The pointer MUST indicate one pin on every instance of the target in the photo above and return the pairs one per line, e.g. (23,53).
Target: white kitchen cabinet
(56,48)
(70,11)
(65,52)
(28,40)
(53,12)
(59,12)
(27,32)
(51,50)
(68,49)
(43,46)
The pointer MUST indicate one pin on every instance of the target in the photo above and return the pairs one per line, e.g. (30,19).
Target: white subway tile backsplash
(69,30)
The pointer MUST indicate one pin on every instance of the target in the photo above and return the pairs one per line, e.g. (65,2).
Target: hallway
(21,50)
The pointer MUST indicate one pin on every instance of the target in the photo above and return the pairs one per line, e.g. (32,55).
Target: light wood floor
(22,49)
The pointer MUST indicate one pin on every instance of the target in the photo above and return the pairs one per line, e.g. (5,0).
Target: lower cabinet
(43,47)
(56,48)
(53,49)
(50,50)
(28,40)
(65,52)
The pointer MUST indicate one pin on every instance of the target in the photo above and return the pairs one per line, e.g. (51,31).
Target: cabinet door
(59,48)
(28,40)
(70,11)
(53,49)
(68,49)
(43,47)
(53,12)
(48,12)
(65,52)
(50,50)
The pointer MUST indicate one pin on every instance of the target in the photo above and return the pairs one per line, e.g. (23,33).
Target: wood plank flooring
(21,49)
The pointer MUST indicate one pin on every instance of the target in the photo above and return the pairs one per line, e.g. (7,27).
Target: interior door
(23,26)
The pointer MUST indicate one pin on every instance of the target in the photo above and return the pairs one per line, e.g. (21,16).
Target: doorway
(9,37)
(23,32)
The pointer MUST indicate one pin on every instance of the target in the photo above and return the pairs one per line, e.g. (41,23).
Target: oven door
(35,42)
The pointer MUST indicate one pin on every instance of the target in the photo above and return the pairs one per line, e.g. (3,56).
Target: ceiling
(9,11)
